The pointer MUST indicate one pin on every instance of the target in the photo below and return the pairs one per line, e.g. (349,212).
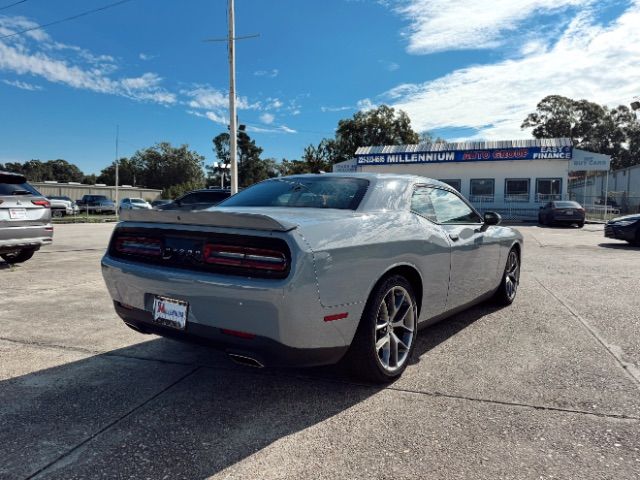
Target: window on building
(516,190)
(548,189)
(454,183)
(482,190)
(449,208)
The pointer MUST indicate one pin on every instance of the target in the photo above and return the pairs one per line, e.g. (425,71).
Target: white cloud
(38,55)
(146,56)
(591,61)
(365,104)
(441,25)
(273,73)
(213,116)
(22,85)
(335,109)
(267,118)
(278,129)
(207,97)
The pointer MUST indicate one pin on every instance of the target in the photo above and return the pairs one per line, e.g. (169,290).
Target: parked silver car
(25,219)
(310,269)
(134,204)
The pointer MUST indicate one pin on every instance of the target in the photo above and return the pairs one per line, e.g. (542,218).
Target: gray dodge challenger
(312,269)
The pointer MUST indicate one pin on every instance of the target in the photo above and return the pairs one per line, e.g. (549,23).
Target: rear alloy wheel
(18,257)
(386,335)
(506,293)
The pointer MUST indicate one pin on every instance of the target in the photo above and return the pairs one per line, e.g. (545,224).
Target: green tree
(36,171)
(163,165)
(251,168)
(129,172)
(593,127)
(378,126)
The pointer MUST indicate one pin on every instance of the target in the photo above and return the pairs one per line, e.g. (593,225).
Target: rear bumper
(31,237)
(284,313)
(265,350)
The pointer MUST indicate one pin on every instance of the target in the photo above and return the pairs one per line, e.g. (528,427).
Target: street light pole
(233,138)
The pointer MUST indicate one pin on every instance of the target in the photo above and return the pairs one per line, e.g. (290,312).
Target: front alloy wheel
(386,335)
(506,293)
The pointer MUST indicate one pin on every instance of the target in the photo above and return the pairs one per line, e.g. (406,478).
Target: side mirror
(492,218)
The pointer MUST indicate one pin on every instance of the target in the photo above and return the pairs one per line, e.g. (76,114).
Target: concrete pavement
(548,388)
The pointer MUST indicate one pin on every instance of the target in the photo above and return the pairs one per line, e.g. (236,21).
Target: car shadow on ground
(619,246)
(141,412)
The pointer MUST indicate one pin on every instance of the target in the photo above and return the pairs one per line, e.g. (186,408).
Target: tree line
(174,170)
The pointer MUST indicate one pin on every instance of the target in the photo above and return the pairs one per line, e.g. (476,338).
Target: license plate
(170,312)
(569,212)
(17,213)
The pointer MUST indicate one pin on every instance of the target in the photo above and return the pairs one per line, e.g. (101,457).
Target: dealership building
(511,177)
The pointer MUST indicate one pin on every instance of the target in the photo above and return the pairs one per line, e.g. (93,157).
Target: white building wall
(498,170)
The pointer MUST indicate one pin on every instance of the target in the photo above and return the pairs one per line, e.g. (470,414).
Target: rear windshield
(17,189)
(566,205)
(303,192)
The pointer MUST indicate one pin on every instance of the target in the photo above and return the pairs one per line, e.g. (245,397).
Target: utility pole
(233,138)
(233,116)
(117,167)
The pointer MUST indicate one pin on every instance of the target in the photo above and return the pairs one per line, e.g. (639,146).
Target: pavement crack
(111,424)
(629,368)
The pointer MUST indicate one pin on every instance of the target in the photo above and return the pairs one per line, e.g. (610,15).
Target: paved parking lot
(548,388)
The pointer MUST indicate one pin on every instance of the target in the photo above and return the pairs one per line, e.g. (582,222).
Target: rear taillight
(150,247)
(41,203)
(245,257)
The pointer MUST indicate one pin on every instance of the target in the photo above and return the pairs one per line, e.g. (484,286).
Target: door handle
(454,236)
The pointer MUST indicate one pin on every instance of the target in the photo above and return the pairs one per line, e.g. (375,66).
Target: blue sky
(460,68)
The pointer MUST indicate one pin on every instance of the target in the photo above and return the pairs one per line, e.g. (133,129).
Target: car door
(435,255)
(475,255)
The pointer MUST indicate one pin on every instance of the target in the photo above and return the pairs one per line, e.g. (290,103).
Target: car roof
(17,177)
(377,177)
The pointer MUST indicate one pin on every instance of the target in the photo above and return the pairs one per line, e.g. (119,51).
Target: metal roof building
(512,177)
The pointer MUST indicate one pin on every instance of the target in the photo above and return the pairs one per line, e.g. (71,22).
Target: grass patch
(84,219)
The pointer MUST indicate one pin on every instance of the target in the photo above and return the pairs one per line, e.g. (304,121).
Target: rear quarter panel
(351,255)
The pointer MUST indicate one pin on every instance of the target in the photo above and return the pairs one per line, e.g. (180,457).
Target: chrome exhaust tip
(244,360)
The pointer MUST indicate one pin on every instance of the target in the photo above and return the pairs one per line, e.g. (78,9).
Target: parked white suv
(25,219)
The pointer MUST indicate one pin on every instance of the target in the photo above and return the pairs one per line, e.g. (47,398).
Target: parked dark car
(198,200)
(96,204)
(25,219)
(159,203)
(565,212)
(624,228)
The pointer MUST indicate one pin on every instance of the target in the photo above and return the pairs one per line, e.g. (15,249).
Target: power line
(66,19)
(12,4)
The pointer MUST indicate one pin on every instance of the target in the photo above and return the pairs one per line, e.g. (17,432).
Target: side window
(189,199)
(421,203)
(449,208)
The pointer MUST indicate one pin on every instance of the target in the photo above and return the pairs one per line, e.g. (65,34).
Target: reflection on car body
(309,269)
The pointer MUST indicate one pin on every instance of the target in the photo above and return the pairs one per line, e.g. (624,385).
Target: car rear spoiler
(251,221)
(13,178)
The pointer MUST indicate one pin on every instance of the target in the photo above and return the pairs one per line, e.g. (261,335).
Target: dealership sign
(588,161)
(482,155)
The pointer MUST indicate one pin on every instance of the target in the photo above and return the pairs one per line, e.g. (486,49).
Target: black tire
(506,293)
(18,257)
(580,224)
(380,365)
(540,219)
